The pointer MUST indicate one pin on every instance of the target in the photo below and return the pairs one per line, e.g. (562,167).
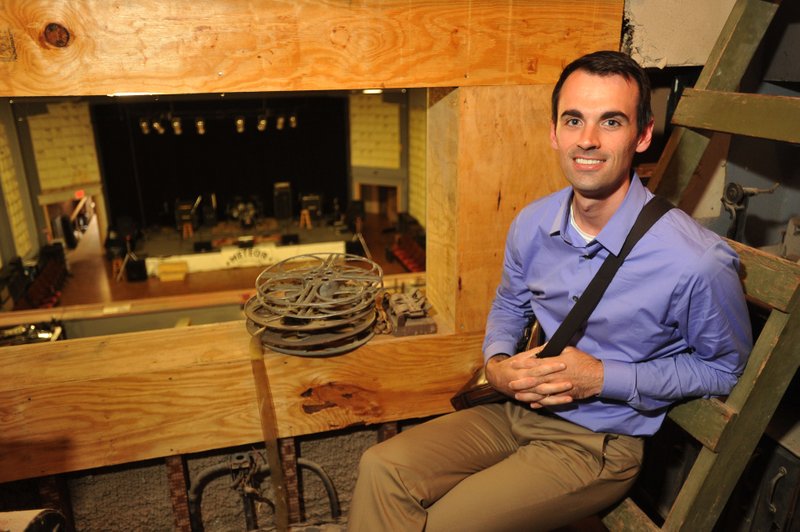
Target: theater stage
(229,245)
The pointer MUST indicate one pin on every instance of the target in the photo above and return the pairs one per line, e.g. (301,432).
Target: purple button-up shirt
(672,324)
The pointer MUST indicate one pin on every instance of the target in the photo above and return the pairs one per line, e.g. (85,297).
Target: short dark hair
(609,63)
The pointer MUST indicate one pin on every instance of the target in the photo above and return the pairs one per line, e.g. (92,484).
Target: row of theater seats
(408,247)
(40,286)
(407,251)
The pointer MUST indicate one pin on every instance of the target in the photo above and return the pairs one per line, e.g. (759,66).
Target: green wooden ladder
(729,429)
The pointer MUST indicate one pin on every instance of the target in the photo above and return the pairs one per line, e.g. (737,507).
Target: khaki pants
(491,468)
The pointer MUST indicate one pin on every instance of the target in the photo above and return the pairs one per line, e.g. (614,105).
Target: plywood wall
(490,157)
(79,47)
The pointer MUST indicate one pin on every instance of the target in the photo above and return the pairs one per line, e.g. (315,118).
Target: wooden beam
(269,429)
(754,115)
(628,517)
(491,157)
(79,404)
(704,419)
(183,46)
(768,280)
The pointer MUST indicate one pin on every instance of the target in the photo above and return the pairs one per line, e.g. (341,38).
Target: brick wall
(14,207)
(63,144)
(374,132)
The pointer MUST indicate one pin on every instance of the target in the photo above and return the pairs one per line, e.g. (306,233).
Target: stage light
(262,123)
(279,122)
(240,124)
(176,126)
(293,121)
(200,124)
(158,127)
(145,126)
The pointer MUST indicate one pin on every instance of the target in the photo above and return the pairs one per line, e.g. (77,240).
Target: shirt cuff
(619,380)
(498,348)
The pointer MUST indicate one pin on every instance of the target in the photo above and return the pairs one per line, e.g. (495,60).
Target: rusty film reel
(318,304)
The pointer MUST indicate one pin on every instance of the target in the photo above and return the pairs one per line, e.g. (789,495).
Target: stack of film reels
(319,304)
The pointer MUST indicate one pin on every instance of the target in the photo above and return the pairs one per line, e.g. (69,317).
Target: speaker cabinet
(283,200)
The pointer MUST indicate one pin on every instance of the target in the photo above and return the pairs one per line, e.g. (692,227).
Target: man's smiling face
(595,133)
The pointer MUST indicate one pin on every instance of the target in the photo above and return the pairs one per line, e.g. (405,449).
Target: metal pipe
(208,474)
(333,498)
(195,494)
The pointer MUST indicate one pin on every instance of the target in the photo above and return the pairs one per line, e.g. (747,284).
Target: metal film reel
(318,304)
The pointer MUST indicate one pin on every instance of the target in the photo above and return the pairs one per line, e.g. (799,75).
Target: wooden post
(269,429)
(490,157)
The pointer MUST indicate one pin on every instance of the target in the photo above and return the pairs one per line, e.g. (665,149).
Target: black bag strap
(650,213)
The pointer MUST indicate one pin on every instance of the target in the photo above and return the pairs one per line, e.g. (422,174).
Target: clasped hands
(570,376)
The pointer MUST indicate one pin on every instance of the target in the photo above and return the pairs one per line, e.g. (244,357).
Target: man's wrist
(489,368)
(496,358)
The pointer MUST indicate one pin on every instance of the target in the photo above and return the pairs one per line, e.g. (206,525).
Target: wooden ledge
(92,402)
(150,305)
(126,308)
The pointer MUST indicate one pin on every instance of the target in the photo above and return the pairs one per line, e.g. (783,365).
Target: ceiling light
(176,126)
(262,123)
(144,125)
(240,124)
(279,123)
(293,121)
(128,94)
(372,91)
(201,126)
(158,127)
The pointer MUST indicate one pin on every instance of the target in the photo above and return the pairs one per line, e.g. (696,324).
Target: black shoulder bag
(478,390)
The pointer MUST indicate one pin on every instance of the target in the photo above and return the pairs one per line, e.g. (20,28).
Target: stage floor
(229,245)
(91,280)
(166,241)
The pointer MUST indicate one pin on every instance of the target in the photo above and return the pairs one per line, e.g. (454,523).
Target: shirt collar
(616,230)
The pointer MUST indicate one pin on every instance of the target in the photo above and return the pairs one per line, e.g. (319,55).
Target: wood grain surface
(492,158)
(83,47)
(79,404)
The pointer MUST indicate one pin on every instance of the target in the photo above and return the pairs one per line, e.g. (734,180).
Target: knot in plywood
(56,35)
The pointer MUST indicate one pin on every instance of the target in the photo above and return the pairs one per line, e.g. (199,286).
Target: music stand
(129,255)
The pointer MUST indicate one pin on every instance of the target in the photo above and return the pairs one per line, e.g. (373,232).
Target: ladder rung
(753,115)
(704,419)
(627,516)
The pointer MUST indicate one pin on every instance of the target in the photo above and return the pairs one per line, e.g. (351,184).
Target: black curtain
(146,173)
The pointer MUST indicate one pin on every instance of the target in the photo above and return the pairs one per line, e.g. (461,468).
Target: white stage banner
(236,257)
